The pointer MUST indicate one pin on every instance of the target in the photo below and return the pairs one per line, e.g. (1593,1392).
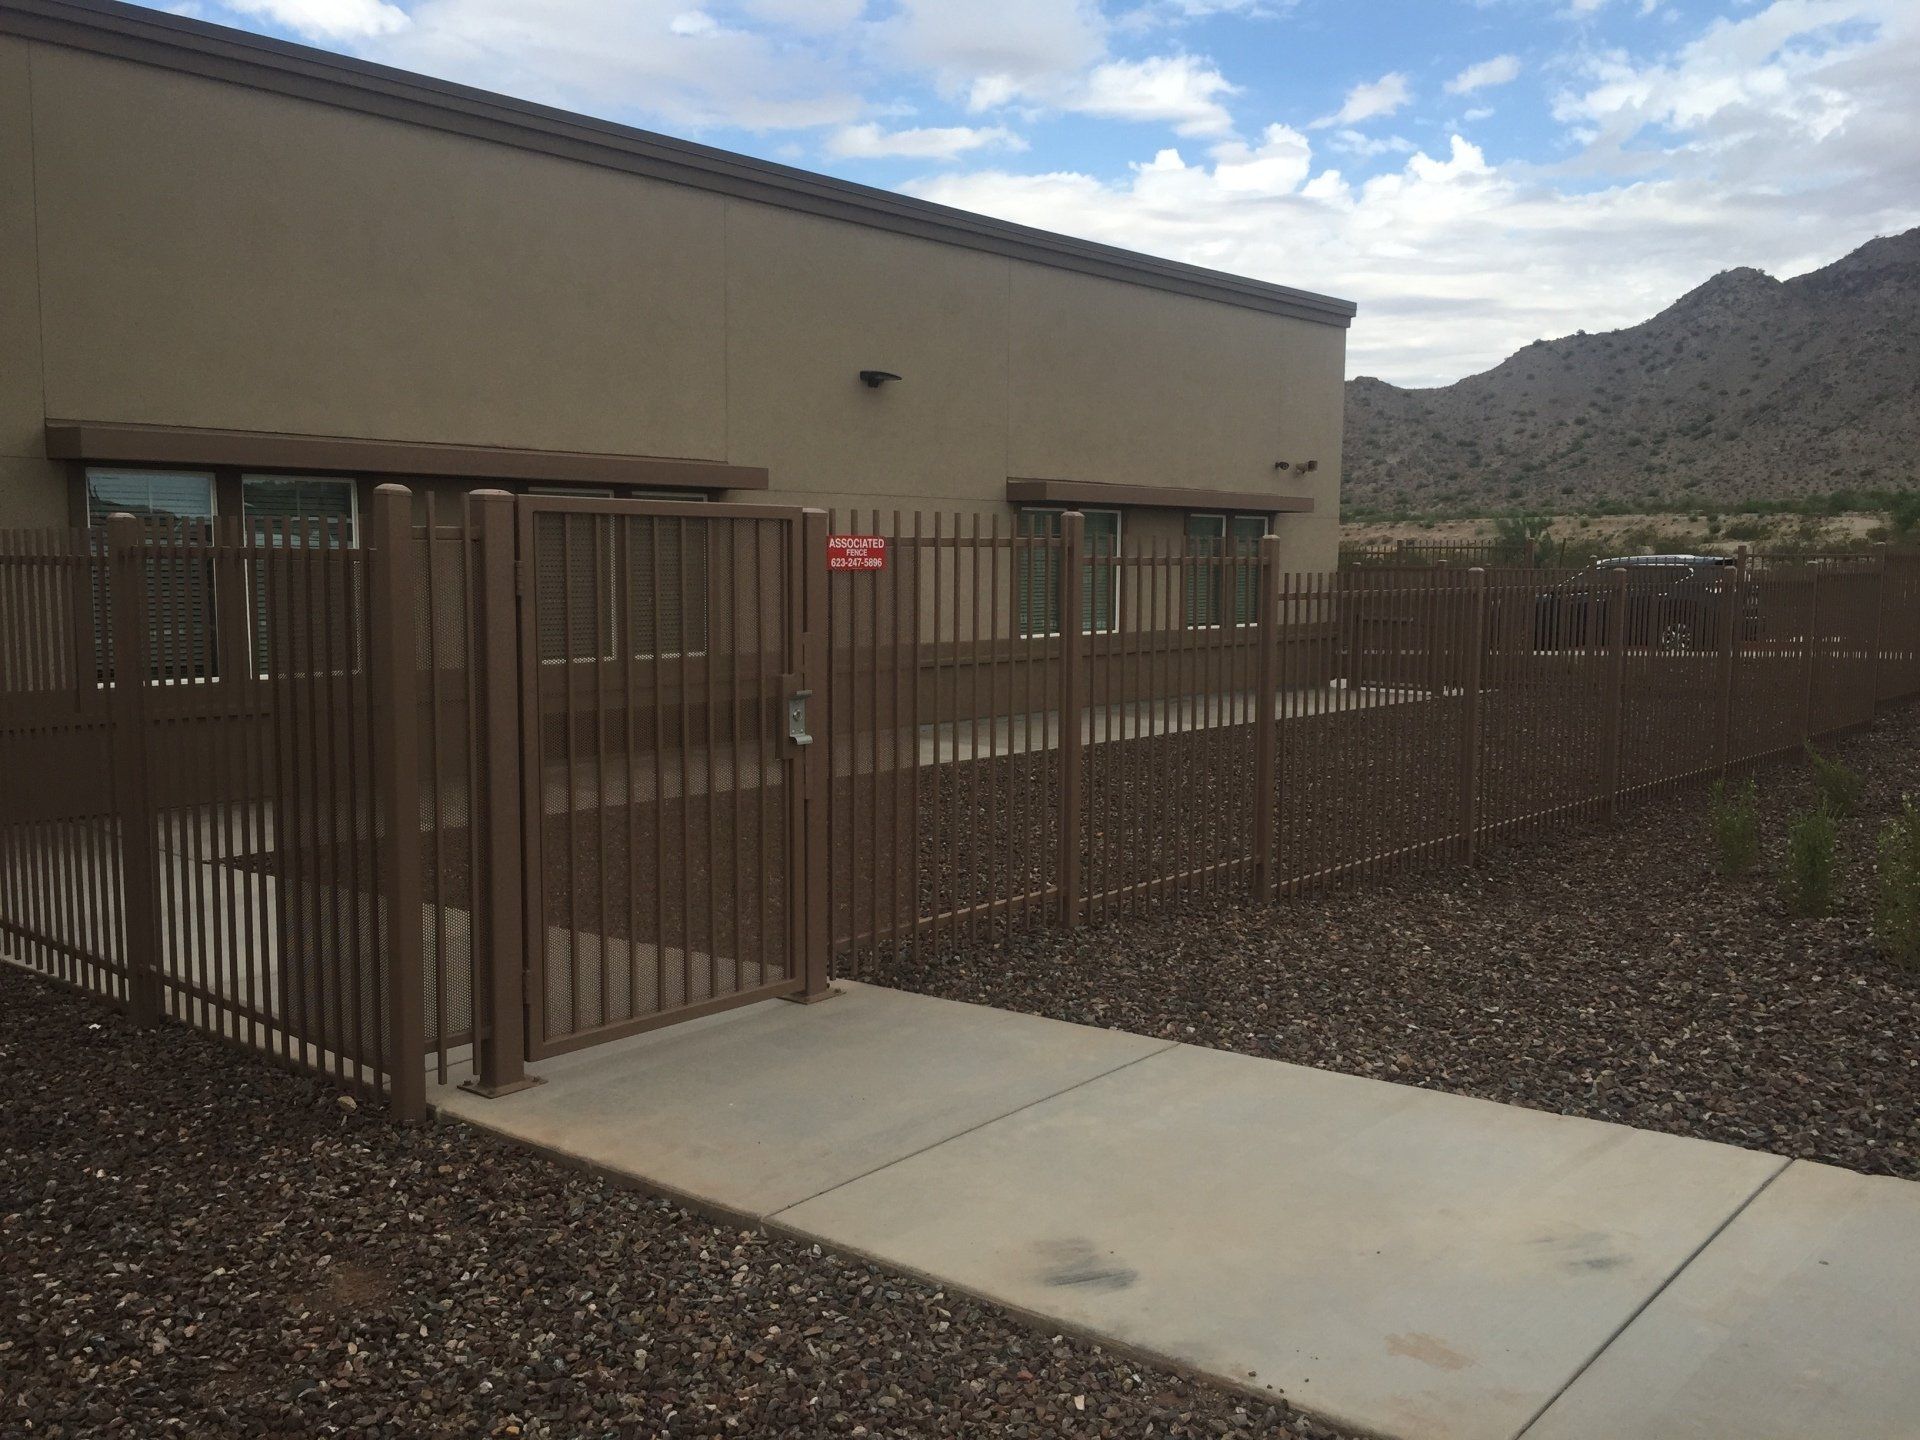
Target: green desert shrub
(1734,817)
(1840,787)
(1813,853)
(1896,911)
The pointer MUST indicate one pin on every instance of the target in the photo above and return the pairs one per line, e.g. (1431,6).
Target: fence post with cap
(500,949)
(1266,723)
(395,692)
(1072,584)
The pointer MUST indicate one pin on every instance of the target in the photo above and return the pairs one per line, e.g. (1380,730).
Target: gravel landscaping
(1605,972)
(194,1243)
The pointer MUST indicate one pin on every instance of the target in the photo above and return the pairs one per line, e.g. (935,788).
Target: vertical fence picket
(1072,583)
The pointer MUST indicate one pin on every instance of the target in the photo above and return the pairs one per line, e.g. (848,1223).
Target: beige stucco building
(228,262)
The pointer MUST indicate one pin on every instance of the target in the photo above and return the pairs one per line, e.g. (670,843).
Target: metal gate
(668,777)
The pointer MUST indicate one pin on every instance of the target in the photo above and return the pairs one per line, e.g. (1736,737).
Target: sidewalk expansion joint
(1659,1290)
(958,1134)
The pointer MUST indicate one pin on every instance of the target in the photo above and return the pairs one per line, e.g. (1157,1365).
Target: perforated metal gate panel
(657,647)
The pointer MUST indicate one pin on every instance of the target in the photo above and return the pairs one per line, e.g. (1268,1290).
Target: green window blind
(1244,535)
(1039,573)
(300,512)
(180,600)
(1225,547)
(1206,542)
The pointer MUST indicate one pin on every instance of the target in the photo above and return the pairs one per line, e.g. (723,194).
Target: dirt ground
(193,1243)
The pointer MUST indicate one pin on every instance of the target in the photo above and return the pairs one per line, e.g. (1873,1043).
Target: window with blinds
(1215,590)
(611,585)
(183,644)
(301,512)
(1037,577)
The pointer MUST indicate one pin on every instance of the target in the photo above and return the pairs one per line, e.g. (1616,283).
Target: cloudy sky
(1475,173)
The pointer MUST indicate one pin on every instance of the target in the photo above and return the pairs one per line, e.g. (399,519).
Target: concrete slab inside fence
(1802,1318)
(758,1108)
(1422,1265)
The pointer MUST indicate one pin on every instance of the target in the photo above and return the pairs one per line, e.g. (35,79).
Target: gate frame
(806,649)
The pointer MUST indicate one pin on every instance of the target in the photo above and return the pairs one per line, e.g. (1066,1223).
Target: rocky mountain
(1745,388)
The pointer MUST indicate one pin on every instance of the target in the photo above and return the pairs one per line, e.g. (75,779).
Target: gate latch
(797,717)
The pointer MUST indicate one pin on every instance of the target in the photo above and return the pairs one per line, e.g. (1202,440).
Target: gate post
(1073,542)
(133,794)
(1266,725)
(500,999)
(812,916)
(1616,735)
(394,683)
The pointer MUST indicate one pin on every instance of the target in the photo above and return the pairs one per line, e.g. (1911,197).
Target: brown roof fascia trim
(195,47)
(1167,497)
(266,450)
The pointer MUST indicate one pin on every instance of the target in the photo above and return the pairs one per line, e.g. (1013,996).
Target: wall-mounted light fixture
(874,379)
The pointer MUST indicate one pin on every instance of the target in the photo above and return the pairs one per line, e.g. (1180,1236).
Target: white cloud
(1164,11)
(1782,140)
(327,19)
(1006,46)
(817,16)
(1370,101)
(662,62)
(1278,164)
(1500,70)
(1355,142)
(870,142)
(1179,89)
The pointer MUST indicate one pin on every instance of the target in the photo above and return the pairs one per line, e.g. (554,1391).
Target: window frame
(1228,600)
(621,647)
(352,482)
(1092,627)
(105,665)
(256,599)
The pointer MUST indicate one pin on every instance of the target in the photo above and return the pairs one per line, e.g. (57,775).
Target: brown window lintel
(113,443)
(1177,497)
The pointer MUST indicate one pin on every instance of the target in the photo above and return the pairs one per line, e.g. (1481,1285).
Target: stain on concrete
(1428,1351)
(1077,1263)
(1583,1250)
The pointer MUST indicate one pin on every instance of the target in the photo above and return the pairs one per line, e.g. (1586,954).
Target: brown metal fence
(1214,726)
(476,787)
(198,812)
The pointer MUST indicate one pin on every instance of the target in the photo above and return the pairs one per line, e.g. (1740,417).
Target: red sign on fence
(856,552)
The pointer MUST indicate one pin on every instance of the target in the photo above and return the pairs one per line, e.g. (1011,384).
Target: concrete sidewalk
(1395,1260)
